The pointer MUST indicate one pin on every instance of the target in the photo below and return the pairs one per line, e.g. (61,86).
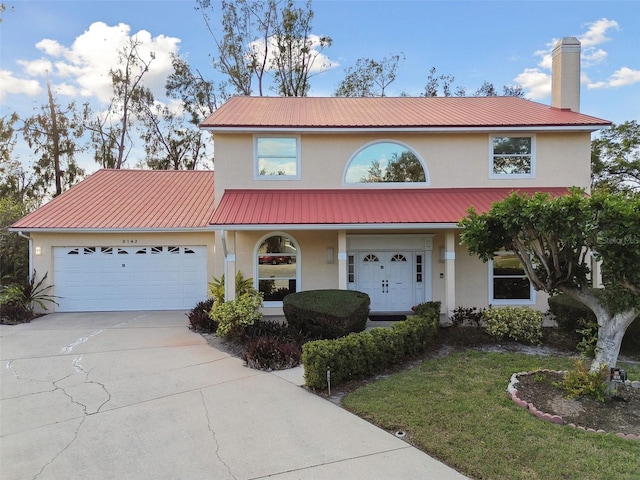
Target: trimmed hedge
(367,353)
(325,314)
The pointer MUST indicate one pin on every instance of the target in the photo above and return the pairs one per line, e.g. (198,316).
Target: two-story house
(316,193)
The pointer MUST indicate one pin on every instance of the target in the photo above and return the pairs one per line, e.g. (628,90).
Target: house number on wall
(129,241)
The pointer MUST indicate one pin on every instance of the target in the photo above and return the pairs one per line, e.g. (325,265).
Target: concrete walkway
(137,395)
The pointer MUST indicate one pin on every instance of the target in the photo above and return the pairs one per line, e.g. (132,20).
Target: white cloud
(36,68)
(50,47)
(84,66)
(624,76)
(535,82)
(596,34)
(66,90)
(592,57)
(11,84)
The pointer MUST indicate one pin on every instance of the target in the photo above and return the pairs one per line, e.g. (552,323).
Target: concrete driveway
(137,395)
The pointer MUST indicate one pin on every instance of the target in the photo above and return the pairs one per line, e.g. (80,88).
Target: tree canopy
(554,239)
(615,158)
(369,78)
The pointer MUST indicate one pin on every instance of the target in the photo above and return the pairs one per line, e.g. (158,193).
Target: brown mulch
(619,413)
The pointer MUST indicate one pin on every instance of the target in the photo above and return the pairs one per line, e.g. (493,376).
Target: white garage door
(129,278)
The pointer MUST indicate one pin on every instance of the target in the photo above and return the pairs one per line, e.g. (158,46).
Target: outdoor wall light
(38,250)
(330,254)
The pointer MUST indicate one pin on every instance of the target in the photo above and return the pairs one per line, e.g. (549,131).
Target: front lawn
(456,409)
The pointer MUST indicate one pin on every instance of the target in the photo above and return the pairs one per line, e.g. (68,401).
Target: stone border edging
(558,420)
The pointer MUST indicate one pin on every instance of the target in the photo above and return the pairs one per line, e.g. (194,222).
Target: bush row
(367,353)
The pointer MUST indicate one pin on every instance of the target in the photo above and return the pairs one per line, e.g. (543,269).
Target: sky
(502,42)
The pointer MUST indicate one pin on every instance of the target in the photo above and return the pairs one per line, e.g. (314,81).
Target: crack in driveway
(213,436)
(55,457)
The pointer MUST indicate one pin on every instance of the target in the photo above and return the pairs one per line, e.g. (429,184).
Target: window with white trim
(277,266)
(512,157)
(385,162)
(508,283)
(277,158)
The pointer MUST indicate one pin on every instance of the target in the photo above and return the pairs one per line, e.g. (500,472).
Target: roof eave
(440,129)
(207,228)
(338,226)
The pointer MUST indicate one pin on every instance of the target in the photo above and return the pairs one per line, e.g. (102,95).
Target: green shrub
(579,382)
(570,313)
(427,308)
(12,313)
(17,300)
(462,315)
(367,353)
(200,319)
(517,323)
(324,314)
(237,314)
(243,285)
(589,334)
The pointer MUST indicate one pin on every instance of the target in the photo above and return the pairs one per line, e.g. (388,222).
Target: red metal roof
(130,199)
(358,206)
(392,112)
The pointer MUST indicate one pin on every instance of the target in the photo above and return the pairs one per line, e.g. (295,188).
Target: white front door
(387,277)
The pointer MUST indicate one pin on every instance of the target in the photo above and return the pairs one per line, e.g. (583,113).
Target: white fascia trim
(345,226)
(388,130)
(115,230)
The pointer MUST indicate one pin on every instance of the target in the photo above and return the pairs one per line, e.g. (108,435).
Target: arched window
(385,162)
(277,265)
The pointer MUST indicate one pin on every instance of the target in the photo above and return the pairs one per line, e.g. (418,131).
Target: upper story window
(512,157)
(385,162)
(277,158)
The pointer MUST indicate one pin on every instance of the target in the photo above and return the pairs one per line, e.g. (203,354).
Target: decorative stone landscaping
(512,389)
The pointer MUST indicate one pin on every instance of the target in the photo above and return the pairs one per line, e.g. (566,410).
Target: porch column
(342,260)
(229,243)
(450,271)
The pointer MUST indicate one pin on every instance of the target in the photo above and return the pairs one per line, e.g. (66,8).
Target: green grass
(456,409)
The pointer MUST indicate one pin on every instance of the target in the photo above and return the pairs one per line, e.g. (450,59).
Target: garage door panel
(129,278)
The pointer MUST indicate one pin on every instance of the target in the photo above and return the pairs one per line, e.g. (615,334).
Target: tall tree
(241,58)
(554,238)
(264,38)
(369,78)
(11,170)
(14,250)
(615,158)
(111,130)
(54,134)
(296,50)
(199,97)
(168,142)
(442,86)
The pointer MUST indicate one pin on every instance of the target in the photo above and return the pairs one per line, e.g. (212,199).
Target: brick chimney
(565,74)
